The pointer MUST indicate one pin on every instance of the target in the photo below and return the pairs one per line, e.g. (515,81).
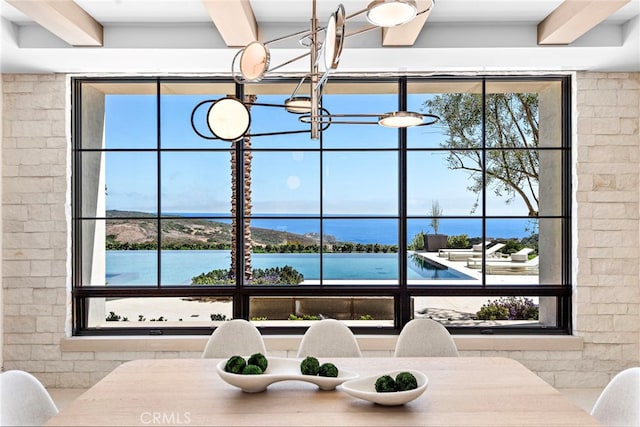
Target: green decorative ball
(385,384)
(235,364)
(328,370)
(309,366)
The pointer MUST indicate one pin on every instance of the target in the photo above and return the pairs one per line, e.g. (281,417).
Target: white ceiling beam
(573,18)
(64,18)
(234,20)
(406,35)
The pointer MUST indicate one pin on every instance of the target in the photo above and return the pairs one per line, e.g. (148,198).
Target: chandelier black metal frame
(229,118)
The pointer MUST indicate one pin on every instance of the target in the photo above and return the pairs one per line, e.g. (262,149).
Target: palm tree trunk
(246,194)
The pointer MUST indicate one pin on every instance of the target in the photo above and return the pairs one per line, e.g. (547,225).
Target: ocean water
(385,231)
(178,267)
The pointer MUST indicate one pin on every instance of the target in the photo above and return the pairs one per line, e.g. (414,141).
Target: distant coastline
(276,230)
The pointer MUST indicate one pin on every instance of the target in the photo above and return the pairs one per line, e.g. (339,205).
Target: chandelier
(229,118)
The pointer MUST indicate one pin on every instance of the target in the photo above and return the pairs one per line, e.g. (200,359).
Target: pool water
(178,267)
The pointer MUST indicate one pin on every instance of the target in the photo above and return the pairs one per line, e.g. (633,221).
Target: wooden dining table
(464,391)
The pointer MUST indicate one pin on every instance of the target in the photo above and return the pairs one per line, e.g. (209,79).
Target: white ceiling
(177,36)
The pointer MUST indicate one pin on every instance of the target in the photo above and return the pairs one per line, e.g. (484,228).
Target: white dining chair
(237,337)
(619,402)
(329,338)
(23,400)
(425,338)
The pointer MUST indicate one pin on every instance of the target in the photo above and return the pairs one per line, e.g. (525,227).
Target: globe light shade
(298,105)
(228,119)
(400,119)
(391,13)
(254,61)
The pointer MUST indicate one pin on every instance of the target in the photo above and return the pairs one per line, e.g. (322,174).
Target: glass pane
(458,105)
(119,181)
(159,312)
(119,115)
(285,251)
(427,171)
(359,182)
(360,249)
(488,312)
(120,252)
(375,99)
(285,182)
(196,183)
(441,258)
(518,261)
(524,113)
(178,101)
(513,186)
(193,248)
(301,311)
(274,118)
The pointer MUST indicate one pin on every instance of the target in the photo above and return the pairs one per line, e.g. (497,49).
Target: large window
(466,221)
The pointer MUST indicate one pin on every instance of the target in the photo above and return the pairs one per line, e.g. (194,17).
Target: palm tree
(248,244)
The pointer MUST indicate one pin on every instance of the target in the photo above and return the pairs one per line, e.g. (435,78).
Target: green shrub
(217,317)
(509,308)
(460,241)
(286,275)
(303,317)
(417,243)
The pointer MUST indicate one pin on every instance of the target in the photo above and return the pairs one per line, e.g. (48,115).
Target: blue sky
(354,182)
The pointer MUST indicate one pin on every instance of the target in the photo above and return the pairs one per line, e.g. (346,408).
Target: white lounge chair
(462,256)
(521,256)
(475,249)
(512,267)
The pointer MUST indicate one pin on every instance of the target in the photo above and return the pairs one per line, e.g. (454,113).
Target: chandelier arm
(233,72)
(286,132)
(362,30)
(290,61)
(358,13)
(193,125)
(302,33)
(434,119)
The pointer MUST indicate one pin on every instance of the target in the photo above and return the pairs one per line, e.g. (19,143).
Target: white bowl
(281,369)
(364,388)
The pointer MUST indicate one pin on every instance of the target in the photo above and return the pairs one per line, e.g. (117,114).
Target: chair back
(329,338)
(237,337)
(424,338)
(619,402)
(24,400)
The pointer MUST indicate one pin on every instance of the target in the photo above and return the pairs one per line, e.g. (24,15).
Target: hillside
(127,229)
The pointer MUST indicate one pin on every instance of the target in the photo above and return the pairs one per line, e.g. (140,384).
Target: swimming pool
(178,267)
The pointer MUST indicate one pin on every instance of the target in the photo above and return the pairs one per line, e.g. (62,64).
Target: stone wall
(36,241)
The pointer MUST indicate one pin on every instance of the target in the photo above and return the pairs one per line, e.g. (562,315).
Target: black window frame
(402,292)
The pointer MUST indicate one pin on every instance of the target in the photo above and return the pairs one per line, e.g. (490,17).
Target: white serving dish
(364,388)
(282,369)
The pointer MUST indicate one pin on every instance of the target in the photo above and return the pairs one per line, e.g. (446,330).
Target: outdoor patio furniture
(24,400)
(462,256)
(512,267)
(475,249)
(329,338)
(425,338)
(521,256)
(234,337)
